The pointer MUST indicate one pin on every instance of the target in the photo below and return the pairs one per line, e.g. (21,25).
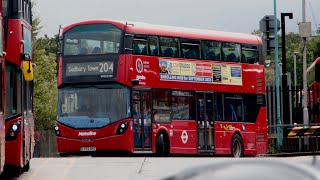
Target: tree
(45,80)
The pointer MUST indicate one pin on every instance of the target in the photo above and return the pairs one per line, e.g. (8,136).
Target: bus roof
(160,30)
(314,62)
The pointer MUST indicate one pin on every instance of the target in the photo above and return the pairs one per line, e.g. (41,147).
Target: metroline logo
(90,133)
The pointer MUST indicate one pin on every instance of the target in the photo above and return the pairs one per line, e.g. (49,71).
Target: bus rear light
(57,130)
(122,128)
(13,131)
(260,137)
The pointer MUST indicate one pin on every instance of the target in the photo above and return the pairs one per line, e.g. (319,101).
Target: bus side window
(218,107)
(249,54)
(169,47)
(154,45)
(233,107)
(231,52)
(190,49)
(140,45)
(211,50)
(162,105)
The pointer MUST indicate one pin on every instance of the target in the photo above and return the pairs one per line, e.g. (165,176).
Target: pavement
(132,168)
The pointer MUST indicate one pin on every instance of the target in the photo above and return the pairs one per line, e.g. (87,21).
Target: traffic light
(267,27)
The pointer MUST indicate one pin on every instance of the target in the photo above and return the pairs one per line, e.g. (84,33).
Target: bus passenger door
(205,121)
(142,119)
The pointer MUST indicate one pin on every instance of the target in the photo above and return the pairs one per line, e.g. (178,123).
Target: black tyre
(237,146)
(26,167)
(162,148)
(16,171)
(64,154)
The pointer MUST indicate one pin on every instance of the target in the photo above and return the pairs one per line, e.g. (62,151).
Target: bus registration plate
(88,149)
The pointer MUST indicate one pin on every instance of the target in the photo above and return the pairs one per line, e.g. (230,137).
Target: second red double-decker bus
(313,94)
(167,90)
(19,120)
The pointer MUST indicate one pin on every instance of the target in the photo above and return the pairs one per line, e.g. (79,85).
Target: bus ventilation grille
(259,85)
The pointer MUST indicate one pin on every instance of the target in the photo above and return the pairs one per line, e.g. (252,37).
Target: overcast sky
(223,15)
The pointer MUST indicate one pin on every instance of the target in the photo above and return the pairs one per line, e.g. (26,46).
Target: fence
(291,109)
(291,114)
(46,144)
(292,144)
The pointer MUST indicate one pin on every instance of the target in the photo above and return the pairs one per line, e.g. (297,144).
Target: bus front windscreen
(93,106)
(92,39)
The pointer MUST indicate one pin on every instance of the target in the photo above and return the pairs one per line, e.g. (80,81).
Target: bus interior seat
(144,51)
(211,55)
(191,54)
(252,60)
(96,50)
(155,52)
(136,49)
(232,57)
(83,51)
(231,114)
(244,59)
(168,52)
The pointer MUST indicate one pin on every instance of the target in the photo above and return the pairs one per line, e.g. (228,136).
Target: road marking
(36,171)
(67,168)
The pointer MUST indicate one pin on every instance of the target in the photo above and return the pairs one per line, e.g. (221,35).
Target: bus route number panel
(104,69)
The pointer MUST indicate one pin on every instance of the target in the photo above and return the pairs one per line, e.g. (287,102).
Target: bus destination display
(104,68)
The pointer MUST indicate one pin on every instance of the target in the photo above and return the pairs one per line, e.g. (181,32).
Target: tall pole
(279,129)
(295,68)
(305,108)
(285,91)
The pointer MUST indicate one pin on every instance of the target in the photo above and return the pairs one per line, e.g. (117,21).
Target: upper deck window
(211,50)
(231,52)
(249,54)
(17,9)
(92,39)
(169,47)
(140,45)
(190,49)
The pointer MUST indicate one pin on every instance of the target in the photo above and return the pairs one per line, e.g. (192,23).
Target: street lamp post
(279,122)
(295,68)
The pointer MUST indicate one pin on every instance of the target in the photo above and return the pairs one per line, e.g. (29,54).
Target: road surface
(96,168)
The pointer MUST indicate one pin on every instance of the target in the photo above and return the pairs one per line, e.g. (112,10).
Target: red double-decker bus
(313,94)
(19,119)
(167,90)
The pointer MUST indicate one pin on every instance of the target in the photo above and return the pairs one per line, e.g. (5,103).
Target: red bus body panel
(14,147)
(175,131)
(104,139)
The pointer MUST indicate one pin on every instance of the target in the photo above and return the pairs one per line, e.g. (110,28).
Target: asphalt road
(96,168)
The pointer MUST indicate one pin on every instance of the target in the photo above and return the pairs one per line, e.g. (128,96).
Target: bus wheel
(237,146)
(26,167)
(15,171)
(162,145)
(64,154)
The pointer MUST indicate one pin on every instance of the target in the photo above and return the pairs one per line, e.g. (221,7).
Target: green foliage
(45,90)
(293,44)
(45,79)
(272,148)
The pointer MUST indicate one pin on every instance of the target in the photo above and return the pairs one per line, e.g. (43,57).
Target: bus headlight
(122,128)
(14,127)
(13,131)
(57,130)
